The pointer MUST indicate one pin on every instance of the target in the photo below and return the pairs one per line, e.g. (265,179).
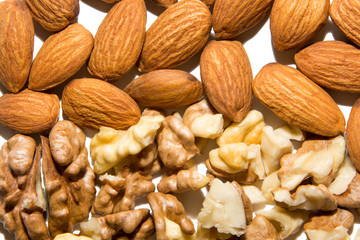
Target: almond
(92,103)
(118,40)
(54,15)
(226,75)
(294,23)
(16,44)
(297,100)
(29,112)
(177,34)
(165,3)
(60,57)
(345,14)
(165,89)
(331,64)
(352,136)
(231,18)
(208,3)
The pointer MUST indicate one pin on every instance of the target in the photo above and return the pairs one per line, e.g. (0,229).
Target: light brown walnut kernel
(260,229)
(70,183)
(176,143)
(350,198)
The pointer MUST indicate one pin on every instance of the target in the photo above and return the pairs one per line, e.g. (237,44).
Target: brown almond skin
(298,100)
(54,15)
(118,40)
(29,112)
(331,64)
(91,103)
(352,136)
(294,23)
(168,88)
(165,3)
(60,57)
(208,3)
(226,76)
(16,44)
(345,15)
(231,18)
(178,33)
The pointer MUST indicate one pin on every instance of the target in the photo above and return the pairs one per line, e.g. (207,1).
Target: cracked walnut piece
(21,198)
(70,183)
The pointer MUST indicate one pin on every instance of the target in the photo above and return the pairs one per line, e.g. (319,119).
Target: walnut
(70,183)
(69,236)
(21,197)
(333,225)
(226,207)
(176,143)
(110,147)
(182,181)
(203,121)
(165,208)
(307,197)
(260,229)
(343,177)
(350,198)
(255,195)
(118,193)
(269,184)
(319,159)
(134,224)
(248,130)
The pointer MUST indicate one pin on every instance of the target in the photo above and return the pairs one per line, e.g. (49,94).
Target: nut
(226,75)
(110,147)
(226,207)
(176,35)
(53,15)
(91,103)
(344,15)
(16,39)
(321,62)
(270,183)
(69,236)
(60,57)
(118,40)
(254,194)
(231,18)
(343,177)
(350,198)
(165,3)
(294,23)
(298,100)
(352,138)
(166,88)
(28,111)
(260,229)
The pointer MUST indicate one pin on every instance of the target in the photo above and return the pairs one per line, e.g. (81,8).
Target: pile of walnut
(252,166)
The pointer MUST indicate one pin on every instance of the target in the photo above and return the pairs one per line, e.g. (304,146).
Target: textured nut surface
(294,23)
(331,64)
(165,3)
(177,34)
(352,137)
(345,14)
(297,100)
(28,111)
(60,57)
(92,103)
(260,229)
(226,75)
(16,38)
(54,15)
(231,18)
(350,198)
(118,40)
(165,89)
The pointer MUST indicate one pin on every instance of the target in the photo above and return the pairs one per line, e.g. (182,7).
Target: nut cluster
(312,188)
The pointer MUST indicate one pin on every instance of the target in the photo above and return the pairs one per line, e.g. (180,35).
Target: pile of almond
(193,50)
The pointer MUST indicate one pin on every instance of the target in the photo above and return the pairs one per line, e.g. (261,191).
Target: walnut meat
(176,143)
(21,198)
(69,180)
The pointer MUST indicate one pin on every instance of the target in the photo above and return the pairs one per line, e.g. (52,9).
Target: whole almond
(118,40)
(231,18)
(54,15)
(345,14)
(297,100)
(331,64)
(165,89)
(352,136)
(29,112)
(293,23)
(16,44)
(92,103)
(226,76)
(208,3)
(165,3)
(176,35)
(60,57)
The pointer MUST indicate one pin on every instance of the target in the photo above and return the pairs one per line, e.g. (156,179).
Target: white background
(257,43)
